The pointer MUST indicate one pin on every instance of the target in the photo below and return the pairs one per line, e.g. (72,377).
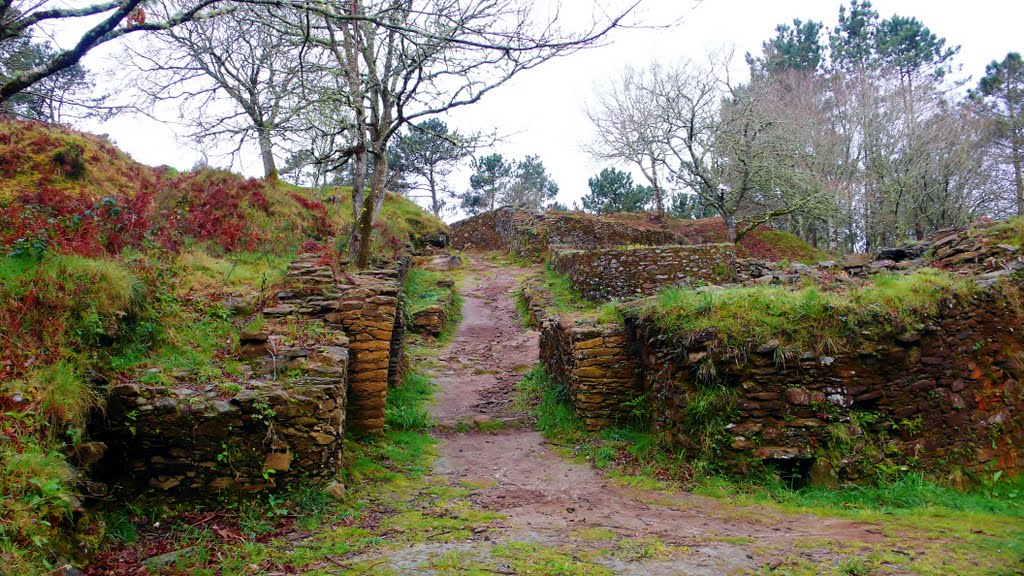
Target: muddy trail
(569,512)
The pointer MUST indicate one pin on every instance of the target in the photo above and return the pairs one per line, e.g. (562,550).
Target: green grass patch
(423,288)
(532,558)
(982,529)
(594,534)
(1009,232)
(239,273)
(629,454)
(805,319)
(565,298)
(405,409)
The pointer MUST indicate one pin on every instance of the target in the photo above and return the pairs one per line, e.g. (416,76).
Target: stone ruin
(331,344)
(534,234)
(947,400)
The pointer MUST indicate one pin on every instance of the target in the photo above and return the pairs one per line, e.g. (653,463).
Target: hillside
(112,271)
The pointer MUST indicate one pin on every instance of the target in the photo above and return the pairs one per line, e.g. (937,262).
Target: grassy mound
(805,319)
(114,271)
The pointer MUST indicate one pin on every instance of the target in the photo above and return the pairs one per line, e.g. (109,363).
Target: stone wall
(632,272)
(366,307)
(537,300)
(947,400)
(593,363)
(209,441)
(533,234)
(284,418)
(476,233)
(432,320)
(330,345)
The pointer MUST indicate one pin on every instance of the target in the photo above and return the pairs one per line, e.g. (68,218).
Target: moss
(805,319)
(594,534)
(531,558)
(1009,232)
(422,290)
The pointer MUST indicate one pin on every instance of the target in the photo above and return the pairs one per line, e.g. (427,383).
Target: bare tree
(21,19)
(234,77)
(402,60)
(628,128)
(733,146)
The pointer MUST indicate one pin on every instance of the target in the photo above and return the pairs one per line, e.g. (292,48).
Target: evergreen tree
(56,98)
(424,156)
(491,176)
(689,206)
(612,191)
(1002,91)
(796,47)
(530,185)
(909,48)
(853,41)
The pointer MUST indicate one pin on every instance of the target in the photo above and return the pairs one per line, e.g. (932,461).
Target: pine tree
(613,191)
(1002,91)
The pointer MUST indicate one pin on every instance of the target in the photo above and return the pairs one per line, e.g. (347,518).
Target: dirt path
(552,502)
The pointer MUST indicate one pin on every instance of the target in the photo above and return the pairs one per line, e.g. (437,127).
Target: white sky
(541,111)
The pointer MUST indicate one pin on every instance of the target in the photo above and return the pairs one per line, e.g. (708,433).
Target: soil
(548,498)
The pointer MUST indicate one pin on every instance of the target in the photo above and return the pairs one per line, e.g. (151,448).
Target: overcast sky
(541,111)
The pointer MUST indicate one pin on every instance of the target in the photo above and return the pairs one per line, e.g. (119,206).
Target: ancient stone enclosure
(945,399)
(632,272)
(321,365)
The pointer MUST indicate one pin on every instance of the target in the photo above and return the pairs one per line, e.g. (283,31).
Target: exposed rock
(336,490)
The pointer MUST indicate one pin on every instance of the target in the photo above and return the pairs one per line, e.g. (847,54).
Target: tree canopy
(613,190)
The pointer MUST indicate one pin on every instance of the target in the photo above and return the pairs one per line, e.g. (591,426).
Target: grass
(237,274)
(532,558)
(56,317)
(555,296)
(976,531)
(1009,232)
(805,319)
(422,289)
(405,409)
(630,455)
(566,298)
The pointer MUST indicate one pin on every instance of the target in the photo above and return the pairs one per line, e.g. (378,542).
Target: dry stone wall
(285,420)
(323,361)
(366,307)
(634,272)
(368,310)
(204,443)
(948,399)
(593,363)
(533,234)
(431,320)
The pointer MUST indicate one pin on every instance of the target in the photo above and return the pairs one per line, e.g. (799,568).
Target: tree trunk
(358,197)
(434,205)
(370,208)
(267,153)
(730,227)
(1018,177)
